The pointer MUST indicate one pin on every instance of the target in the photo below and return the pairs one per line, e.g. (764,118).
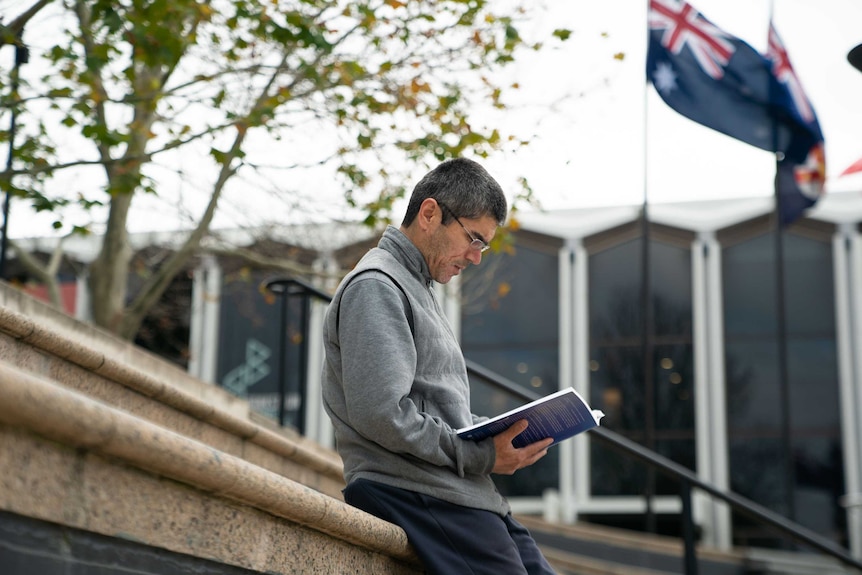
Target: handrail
(687,479)
(288,287)
(685,476)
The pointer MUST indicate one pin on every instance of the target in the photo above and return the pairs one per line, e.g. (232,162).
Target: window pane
(753,392)
(615,305)
(759,456)
(510,320)
(510,325)
(749,288)
(674,397)
(809,286)
(651,405)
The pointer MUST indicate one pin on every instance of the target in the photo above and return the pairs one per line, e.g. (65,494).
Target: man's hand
(509,458)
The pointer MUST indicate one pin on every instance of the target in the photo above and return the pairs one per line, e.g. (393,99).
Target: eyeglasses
(475,243)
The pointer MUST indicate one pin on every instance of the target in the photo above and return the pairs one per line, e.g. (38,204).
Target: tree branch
(44,273)
(157,283)
(11,34)
(266,262)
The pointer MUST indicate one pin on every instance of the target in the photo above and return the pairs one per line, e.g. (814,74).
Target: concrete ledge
(89,439)
(151,377)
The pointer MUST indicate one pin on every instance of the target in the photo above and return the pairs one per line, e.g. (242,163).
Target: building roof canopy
(702,216)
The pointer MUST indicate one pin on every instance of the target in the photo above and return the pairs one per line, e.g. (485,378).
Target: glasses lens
(475,243)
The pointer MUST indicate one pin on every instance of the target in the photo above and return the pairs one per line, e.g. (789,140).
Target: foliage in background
(130,82)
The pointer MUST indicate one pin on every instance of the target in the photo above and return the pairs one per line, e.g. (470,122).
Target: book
(560,415)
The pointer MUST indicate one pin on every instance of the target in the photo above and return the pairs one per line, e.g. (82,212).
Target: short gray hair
(464,187)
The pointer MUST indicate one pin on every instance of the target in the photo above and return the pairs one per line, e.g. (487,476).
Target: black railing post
(688,534)
(22,56)
(305,321)
(688,479)
(287,287)
(282,357)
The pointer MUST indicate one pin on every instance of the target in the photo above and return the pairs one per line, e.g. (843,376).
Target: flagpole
(647,346)
(781,327)
(731,88)
(781,324)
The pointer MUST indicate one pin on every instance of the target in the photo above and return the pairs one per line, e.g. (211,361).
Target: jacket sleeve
(378,360)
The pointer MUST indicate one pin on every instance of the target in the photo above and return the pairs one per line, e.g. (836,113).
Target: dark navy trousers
(451,539)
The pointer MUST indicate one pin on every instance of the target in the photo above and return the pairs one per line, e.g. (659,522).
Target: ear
(429,216)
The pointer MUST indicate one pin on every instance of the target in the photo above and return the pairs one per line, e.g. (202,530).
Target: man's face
(449,250)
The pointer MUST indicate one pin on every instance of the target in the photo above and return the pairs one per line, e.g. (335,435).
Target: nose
(475,256)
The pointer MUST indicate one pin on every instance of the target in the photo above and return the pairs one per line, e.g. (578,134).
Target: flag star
(664,77)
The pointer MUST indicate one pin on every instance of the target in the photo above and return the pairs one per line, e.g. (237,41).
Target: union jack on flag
(783,70)
(682,26)
(719,81)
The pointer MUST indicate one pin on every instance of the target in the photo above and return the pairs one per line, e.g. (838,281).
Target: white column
(717,386)
(710,388)
(317,424)
(856,302)
(206,303)
(566,498)
(702,503)
(82,299)
(847,255)
(450,300)
(581,366)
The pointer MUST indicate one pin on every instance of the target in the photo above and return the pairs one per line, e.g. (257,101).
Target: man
(395,386)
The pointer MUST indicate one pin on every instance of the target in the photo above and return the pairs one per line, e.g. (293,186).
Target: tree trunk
(108,279)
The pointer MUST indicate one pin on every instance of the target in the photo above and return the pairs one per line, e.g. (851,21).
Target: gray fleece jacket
(396,393)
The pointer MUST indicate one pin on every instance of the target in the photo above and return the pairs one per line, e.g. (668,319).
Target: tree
(134,81)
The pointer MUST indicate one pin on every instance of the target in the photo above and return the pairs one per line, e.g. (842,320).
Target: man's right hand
(510,458)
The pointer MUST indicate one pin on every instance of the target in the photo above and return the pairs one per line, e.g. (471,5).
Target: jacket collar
(396,243)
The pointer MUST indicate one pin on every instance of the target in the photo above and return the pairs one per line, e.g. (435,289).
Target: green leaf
(562,33)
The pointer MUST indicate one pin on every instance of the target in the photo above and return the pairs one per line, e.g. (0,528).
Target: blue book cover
(560,415)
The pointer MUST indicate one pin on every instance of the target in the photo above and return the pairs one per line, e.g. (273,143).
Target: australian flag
(721,82)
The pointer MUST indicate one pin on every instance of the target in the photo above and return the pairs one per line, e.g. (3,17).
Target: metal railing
(687,480)
(287,288)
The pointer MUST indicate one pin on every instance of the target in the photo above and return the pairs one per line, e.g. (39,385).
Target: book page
(559,415)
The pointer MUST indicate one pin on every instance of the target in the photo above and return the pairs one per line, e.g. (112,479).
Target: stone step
(102,444)
(610,550)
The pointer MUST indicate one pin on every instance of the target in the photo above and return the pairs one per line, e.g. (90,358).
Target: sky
(611,140)
(602,136)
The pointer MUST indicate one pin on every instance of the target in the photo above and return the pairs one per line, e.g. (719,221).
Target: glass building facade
(783,396)
(708,358)
(510,325)
(690,333)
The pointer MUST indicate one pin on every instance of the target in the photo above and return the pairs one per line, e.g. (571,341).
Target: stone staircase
(115,461)
(106,445)
(587,549)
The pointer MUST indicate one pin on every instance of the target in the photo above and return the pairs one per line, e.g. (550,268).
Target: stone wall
(103,442)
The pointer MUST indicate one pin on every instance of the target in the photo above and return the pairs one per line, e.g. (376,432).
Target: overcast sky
(602,136)
(619,140)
